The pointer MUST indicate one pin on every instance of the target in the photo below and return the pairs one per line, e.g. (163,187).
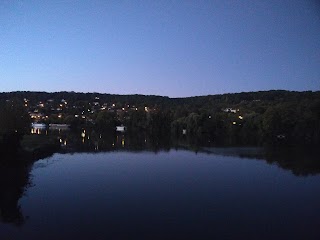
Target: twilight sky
(169,48)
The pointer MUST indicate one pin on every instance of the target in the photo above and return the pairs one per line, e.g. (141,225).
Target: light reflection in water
(37,131)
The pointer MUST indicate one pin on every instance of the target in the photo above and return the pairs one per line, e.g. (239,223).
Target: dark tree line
(296,122)
(14,123)
(267,116)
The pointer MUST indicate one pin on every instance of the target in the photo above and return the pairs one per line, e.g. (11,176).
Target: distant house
(281,136)
(229,110)
(59,126)
(36,115)
(38,125)
(120,128)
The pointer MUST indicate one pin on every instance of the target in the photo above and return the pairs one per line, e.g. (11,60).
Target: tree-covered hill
(271,97)
(244,118)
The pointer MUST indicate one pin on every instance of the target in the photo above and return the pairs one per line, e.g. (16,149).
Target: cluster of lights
(240,117)
(26,102)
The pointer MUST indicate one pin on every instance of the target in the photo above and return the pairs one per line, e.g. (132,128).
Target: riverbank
(39,146)
(32,148)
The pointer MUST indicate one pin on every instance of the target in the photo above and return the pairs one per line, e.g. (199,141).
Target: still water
(173,194)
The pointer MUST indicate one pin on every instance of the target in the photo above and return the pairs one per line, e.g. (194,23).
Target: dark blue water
(167,195)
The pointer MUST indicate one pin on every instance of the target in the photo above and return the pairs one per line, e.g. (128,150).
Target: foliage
(106,121)
(276,116)
(14,123)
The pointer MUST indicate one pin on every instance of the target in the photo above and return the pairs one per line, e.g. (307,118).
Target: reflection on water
(300,162)
(118,157)
(14,180)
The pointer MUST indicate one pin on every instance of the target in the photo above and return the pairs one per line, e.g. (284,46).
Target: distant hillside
(224,100)
(244,118)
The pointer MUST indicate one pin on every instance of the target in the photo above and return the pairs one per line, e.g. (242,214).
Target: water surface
(176,194)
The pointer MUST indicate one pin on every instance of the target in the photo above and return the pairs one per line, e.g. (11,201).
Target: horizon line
(140,94)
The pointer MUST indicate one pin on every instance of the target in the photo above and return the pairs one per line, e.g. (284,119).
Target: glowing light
(240,117)
(234,123)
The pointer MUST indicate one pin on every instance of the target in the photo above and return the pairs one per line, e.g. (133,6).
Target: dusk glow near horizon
(168,48)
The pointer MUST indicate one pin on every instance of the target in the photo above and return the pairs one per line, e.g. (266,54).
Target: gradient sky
(169,48)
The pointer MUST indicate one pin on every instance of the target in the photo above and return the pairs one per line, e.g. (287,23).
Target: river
(216,193)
